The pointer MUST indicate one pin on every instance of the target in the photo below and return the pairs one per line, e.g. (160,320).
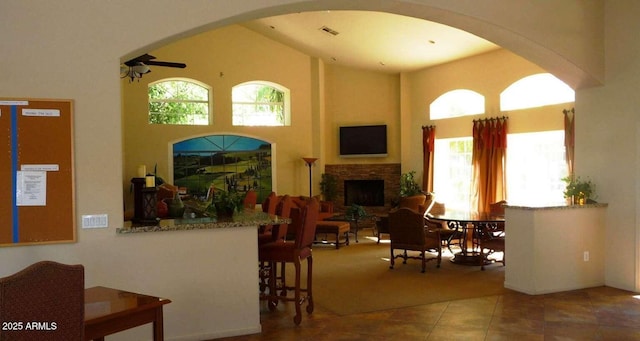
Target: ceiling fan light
(141,69)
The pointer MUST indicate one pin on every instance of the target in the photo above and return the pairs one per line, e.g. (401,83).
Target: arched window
(179,101)
(536,91)
(260,103)
(455,103)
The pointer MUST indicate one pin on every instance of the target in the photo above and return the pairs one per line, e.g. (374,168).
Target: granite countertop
(244,218)
(558,207)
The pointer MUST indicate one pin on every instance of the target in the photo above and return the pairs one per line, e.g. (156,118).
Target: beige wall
(488,74)
(358,97)
(222,59)
(50,51)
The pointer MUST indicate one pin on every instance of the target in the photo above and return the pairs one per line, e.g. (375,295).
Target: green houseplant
(329,186)
(408,185)
(227,202)
(578,190)
(355,212)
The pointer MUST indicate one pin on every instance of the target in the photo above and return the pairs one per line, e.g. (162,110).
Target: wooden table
(353,219)
(108,311)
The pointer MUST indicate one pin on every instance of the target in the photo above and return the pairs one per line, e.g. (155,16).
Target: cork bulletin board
(36,172)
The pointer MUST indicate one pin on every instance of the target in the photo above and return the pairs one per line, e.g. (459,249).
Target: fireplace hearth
(364,192)
(387,173)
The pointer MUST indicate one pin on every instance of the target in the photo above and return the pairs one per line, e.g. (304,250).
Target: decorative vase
(162,209)
(176,207)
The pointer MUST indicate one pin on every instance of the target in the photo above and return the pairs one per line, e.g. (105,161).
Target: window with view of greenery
(453,171)
(180,102)
(260,104)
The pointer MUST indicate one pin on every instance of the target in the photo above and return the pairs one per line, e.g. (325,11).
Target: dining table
(468,225)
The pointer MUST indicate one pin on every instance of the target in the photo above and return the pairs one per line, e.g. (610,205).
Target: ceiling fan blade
(168,64)
(145,58)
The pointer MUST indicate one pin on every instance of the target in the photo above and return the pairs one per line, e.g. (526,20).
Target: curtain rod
(491,119)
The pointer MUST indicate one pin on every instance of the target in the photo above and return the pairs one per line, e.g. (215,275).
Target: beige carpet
(357,278)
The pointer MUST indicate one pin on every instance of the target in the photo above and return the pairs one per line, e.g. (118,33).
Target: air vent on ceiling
(329,30)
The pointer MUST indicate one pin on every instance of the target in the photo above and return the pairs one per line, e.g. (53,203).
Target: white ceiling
(371,40)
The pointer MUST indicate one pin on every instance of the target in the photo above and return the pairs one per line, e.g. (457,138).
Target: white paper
(41,112)
(14,102)
(31,188)
(43,167)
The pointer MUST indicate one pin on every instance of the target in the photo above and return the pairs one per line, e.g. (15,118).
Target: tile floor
(589,314)
(601,313)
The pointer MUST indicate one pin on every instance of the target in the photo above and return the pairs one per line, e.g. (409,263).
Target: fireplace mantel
(389,172)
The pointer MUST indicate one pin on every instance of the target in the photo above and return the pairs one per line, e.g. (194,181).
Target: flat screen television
(363,141)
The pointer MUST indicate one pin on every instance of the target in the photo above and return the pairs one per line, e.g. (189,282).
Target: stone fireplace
(375,185)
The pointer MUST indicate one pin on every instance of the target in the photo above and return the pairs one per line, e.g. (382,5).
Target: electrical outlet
(91,221)
(586,256)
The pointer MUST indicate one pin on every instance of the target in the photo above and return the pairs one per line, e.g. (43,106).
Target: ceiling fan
(138,66)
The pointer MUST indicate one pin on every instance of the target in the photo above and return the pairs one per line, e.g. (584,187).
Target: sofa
(326,207)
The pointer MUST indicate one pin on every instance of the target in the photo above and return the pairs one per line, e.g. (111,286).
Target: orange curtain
(489,159)
(428,142)
(569,138)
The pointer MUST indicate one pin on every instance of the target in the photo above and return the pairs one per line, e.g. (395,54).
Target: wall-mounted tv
(363,141)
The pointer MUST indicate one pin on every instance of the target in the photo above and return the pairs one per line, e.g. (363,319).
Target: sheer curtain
(428,142)
(569,137)
(488,160)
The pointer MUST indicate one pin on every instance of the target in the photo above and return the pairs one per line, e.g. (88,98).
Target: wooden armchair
(408,232)
(492,235)
(45,292)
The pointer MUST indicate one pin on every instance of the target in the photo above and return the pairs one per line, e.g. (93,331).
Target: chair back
(284,211)
(497,208)
(270,203)
(406,227)
(437,208)
(250,200)
(413,202)
(307,233)
(44,292)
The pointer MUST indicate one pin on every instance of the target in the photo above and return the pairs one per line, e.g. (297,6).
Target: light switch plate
(91,221)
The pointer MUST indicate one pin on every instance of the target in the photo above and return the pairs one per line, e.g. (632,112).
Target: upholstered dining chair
(250,200)
(407,232)
(269,206)
(276,234)
(449,236)
(44,292)
(295,252)
(413,202)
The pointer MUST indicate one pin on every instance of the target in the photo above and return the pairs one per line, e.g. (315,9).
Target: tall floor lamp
(310,161)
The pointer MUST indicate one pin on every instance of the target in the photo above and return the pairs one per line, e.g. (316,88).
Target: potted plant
(227,202)
(577,190)
(355,212)
(329,186)
(408,185)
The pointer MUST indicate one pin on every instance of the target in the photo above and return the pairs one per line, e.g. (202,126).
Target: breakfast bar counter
(553,249)
(221,283)
(243,218)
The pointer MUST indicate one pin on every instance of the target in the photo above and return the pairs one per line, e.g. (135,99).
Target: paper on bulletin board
(31,188)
